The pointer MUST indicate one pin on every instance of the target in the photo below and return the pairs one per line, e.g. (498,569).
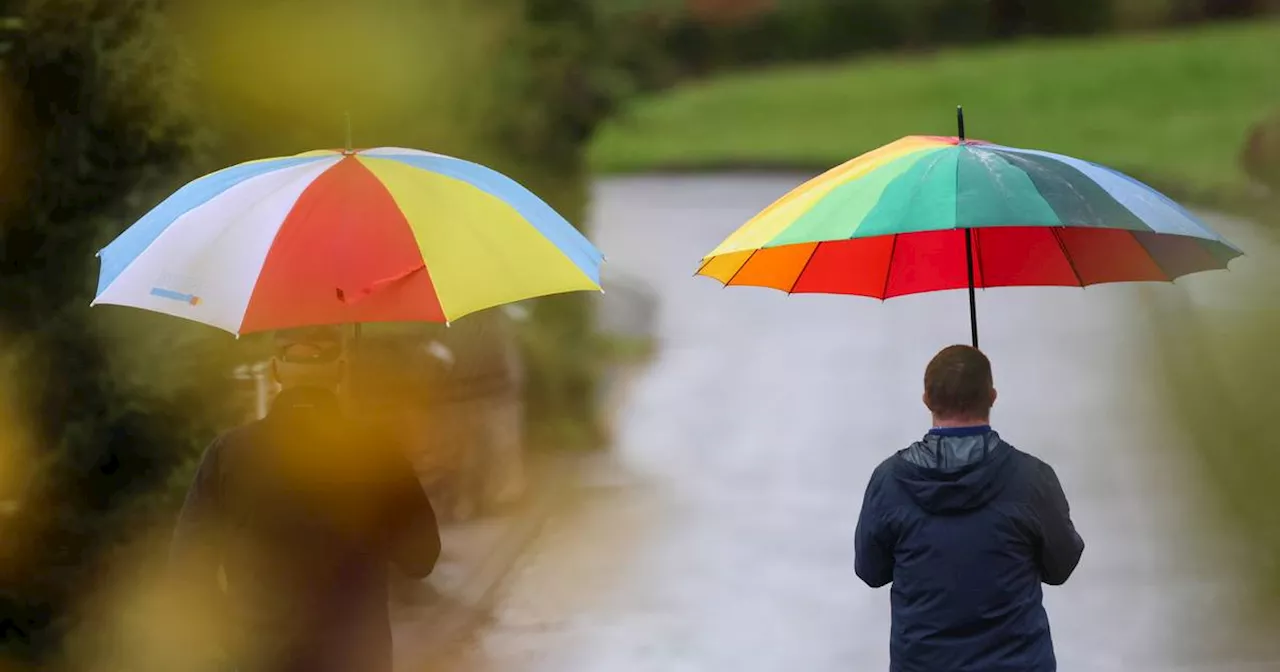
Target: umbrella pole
(968,249)
(973,297)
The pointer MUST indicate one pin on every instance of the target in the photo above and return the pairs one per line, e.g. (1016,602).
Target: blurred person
(966,528)
(304,511)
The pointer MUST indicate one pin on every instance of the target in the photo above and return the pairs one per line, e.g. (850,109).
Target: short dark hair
(958,383)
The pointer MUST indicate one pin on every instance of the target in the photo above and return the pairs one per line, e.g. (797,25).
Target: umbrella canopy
(336,237)
(932,213)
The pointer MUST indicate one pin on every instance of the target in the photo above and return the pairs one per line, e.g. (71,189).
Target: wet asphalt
(717,535)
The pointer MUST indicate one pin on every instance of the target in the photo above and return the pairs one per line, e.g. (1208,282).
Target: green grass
(1173,108)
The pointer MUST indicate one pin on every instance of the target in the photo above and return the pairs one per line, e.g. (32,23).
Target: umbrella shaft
(968,248)
(973,297)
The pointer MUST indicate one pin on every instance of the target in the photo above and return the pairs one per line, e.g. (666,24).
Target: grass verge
(1171,108)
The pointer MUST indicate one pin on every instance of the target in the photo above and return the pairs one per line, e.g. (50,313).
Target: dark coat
(966,528)
(304,510)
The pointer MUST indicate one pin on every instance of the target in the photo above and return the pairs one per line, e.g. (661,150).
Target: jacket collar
(975,430)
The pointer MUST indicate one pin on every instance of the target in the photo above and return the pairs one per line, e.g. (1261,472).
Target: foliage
(1220,364)
(103,435)
(119,402)
(1172,108)
(1261,154)
(559,81)
(680,39)
(1144,14)
(703,36)
(514,84)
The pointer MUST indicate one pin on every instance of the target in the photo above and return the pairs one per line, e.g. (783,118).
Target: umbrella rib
(888,270)
(744,265)
(1062,245)
(1152,257)
(813,253)
(221,233)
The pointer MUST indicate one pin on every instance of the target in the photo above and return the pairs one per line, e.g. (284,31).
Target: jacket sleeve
(193,576)
(414,534)
(1060,546)
(873,546)
(198,535)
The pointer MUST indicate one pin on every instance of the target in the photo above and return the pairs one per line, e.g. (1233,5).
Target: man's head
(958,387)
(309,357)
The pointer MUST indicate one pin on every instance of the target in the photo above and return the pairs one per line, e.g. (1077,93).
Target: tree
(102,436)
(110,129)
(729,12)
(560,80)
(1261,154)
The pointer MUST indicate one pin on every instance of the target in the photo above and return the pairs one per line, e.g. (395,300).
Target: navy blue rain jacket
(966,528)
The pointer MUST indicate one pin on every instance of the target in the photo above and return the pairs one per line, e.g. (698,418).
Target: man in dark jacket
(966,527)
(303,511)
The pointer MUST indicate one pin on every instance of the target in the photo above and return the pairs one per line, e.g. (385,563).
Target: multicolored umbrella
(932,213)
(336,237)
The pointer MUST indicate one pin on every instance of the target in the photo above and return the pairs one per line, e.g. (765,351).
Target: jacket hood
(954,470)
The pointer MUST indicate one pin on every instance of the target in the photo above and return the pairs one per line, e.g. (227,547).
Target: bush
(1221,365)
(1144,14)
(104,432)
(119,402)
(523,92)
(1261,154)
(692,38)
(558,80)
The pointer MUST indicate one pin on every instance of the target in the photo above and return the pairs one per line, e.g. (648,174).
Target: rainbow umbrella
(337,237)
(930,213)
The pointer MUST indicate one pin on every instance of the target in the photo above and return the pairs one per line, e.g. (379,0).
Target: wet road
(718,536)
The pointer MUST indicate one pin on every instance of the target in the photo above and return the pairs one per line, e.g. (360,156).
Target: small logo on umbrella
(190,299)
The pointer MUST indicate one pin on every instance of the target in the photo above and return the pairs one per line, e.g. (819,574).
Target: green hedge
(108,407)
(680,42)
(1261,154)
(1220,365)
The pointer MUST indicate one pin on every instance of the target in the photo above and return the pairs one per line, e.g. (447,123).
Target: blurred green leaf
(1220,367)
